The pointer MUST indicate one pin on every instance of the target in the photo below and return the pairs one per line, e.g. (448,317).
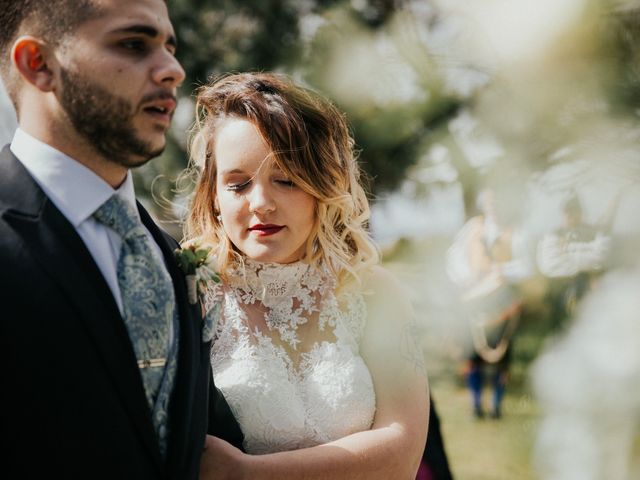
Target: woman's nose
(260,200)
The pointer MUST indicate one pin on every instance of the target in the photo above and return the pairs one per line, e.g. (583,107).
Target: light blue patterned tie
(148,309)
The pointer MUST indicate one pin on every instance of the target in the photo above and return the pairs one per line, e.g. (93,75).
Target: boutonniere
(195,263)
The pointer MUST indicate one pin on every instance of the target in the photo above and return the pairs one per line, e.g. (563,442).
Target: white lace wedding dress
(286,356)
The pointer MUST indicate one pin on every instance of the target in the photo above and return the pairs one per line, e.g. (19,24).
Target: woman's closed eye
(241,186)
(238,187)
(284,182)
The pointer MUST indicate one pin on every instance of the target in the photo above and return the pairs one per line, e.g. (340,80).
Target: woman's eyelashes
(241,186)
(238,187)
(285,182)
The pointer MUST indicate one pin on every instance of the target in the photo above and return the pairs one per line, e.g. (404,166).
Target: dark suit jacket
(72,403)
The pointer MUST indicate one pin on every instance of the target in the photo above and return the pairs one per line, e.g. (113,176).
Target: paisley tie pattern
(148,309)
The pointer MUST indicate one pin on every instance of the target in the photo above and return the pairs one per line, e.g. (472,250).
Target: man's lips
(264,230)
(161,108)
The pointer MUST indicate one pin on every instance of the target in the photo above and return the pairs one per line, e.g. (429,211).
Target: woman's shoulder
(378,280)
(390,322)
(384,294)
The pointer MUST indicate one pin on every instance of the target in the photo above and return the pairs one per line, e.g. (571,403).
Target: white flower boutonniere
(195,263)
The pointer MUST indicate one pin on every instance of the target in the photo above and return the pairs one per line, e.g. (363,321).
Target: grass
(486,449)
(477,449)
(493,449)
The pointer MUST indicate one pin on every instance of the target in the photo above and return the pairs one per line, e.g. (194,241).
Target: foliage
(306,39)
(379,61)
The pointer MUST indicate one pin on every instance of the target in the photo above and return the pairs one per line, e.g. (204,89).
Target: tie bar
(152,362)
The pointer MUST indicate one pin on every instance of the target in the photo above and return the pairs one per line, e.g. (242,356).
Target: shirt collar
(73,188)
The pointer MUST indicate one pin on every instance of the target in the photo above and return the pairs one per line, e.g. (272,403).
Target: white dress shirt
(78,192)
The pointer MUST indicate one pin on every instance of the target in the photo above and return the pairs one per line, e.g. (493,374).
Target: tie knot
(118,215)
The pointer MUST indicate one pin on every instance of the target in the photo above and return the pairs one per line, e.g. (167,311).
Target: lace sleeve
(352,316)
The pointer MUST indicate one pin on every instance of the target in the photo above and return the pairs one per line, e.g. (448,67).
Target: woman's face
(264,214)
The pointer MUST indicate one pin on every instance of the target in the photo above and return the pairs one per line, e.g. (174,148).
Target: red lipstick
(264,230)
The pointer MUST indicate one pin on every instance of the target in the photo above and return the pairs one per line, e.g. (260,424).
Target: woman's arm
(394,445)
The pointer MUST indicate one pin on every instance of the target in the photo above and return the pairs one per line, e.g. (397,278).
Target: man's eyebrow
(148,31)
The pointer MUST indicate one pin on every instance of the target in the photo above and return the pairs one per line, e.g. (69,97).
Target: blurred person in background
(574,256)
(487,260)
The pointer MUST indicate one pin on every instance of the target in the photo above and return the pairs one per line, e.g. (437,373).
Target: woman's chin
(272,257)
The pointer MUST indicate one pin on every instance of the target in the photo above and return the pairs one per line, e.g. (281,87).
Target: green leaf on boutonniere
(191,258)
(194,262)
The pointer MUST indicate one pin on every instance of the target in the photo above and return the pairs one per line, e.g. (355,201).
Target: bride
(312,345)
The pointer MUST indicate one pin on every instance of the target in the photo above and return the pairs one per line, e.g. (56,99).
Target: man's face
(118,80)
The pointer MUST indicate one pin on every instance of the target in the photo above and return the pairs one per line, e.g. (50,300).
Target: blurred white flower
(587,386)
(500,32)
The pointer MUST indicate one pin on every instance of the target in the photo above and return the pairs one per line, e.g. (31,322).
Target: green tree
(307,40)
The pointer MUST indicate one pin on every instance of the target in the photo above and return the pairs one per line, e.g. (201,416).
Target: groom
(104,371)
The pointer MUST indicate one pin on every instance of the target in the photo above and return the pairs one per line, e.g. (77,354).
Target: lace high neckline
(288,293)
(286,356)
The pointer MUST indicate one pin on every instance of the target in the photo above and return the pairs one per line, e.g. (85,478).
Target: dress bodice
(286,356)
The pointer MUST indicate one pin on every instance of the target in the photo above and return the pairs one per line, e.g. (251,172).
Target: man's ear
(31,59)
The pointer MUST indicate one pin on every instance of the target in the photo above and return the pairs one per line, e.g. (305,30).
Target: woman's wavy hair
(311,143)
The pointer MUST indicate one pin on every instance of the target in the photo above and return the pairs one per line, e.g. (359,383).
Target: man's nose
(168,72)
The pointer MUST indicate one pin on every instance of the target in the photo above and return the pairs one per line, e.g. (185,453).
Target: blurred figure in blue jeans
(489,257)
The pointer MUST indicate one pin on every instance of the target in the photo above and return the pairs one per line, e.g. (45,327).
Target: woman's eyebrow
(232,171)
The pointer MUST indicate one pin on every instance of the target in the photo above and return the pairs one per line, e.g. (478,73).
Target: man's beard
(105,121)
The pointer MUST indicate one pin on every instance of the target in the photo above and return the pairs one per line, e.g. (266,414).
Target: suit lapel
(59,250)
(189,351)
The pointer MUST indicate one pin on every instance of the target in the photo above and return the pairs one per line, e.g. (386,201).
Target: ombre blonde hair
(311,144)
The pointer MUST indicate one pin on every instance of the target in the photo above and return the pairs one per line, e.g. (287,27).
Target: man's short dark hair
(50,20)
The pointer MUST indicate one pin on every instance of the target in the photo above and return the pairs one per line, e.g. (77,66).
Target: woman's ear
(30,57)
